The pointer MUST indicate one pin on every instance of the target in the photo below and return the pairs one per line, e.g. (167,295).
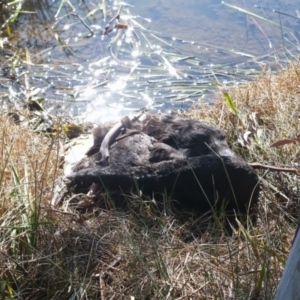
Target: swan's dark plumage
(186,159)
(172,138)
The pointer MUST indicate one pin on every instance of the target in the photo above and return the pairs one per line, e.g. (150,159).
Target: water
(160,55)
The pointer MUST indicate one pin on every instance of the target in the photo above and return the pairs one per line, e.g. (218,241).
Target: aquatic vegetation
(100,59)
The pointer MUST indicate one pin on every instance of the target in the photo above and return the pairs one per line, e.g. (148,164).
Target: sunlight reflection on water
(159,55)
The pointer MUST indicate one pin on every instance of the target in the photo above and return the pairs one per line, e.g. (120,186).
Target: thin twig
(25,273)
(101,285)
(275,169)
(116,17)
(82,21)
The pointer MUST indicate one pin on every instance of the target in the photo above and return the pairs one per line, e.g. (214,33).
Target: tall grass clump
(76,252)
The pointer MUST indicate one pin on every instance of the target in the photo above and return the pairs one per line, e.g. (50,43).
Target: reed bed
(144,253)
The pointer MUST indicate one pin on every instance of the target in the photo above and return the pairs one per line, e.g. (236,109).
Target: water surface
(160,55)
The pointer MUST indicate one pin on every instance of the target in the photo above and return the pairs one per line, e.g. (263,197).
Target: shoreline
(142,253)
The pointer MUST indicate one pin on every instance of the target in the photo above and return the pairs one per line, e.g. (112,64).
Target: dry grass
(142,253)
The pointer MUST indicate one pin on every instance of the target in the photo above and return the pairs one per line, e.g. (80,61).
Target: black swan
(186,159)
